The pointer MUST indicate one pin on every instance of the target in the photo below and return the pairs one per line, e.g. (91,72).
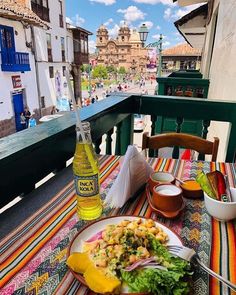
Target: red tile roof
(181,49)
(18,11)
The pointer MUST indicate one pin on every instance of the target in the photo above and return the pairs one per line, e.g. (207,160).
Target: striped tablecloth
(33,256)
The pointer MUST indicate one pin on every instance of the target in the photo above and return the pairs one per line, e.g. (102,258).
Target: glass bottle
(86,176)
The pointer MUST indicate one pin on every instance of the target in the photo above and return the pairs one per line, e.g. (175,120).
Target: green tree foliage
(122,70)
(111,69)
(99,72)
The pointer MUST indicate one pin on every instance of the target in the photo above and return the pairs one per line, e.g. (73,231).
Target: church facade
(125,51)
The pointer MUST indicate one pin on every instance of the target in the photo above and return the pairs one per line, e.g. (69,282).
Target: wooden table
(33,255)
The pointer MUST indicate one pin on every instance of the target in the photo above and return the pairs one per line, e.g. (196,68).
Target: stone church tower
(123,51)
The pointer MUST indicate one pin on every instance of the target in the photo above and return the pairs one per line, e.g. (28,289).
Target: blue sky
(158,15)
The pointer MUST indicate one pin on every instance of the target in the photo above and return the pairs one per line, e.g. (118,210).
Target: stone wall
(7,127)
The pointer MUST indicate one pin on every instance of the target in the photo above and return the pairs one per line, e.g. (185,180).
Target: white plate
(93,228)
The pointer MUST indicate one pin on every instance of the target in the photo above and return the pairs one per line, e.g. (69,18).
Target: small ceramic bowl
(191,189)
(165,214)
(222,211)
(167,197)
(160,177)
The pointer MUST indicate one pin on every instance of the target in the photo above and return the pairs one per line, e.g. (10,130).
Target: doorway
(18,106)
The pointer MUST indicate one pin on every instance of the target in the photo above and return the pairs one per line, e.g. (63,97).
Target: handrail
(29,155)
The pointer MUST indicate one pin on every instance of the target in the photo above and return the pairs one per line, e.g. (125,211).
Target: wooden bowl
(160,177)
(191,189)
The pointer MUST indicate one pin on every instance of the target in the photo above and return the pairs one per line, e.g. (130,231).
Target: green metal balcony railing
(28,156)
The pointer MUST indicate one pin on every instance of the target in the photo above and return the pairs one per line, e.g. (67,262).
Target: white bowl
(222,211)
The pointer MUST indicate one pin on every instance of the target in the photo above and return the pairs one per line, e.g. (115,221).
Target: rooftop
(13,10)
(180,50)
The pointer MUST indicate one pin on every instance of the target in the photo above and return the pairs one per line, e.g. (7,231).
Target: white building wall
(47,86)
(222,71)
(28,79)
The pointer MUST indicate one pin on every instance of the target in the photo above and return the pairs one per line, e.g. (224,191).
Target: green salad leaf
(156,281)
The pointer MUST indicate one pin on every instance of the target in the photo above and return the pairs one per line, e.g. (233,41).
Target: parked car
(140,122)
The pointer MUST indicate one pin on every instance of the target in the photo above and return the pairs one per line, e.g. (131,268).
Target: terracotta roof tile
(181,49)
(14,10)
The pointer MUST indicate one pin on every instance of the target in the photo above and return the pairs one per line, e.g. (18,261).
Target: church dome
(124,28)
(134,37)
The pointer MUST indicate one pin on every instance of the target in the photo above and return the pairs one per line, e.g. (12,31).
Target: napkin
(133,174)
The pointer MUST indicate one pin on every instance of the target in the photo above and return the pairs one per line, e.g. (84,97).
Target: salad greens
(160,282)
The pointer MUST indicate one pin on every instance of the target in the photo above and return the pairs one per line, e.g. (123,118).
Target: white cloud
(92,46)
(158,27)
(166,44)
(132,13)
(167,13)
(174,14)
(108,22)
(75,20)
(106,2)
(69,20)
(113,32)
(149,24)
(153,2)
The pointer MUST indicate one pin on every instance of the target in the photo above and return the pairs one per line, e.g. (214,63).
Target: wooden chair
(203,146)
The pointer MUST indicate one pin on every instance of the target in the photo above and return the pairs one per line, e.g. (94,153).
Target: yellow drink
(86,175)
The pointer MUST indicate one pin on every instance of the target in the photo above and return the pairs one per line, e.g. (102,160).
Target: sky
(158,15)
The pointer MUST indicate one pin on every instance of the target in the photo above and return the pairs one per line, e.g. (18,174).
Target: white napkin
(134,173)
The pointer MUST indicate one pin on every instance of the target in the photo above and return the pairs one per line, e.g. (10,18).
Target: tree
(122,70)
(111,69)
(99,72)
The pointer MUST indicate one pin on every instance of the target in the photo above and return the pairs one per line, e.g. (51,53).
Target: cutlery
(191,256)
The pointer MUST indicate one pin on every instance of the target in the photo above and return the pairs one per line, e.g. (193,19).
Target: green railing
(186,84)
(28,156)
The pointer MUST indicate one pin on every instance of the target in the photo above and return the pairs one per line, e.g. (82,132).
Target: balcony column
(76,73)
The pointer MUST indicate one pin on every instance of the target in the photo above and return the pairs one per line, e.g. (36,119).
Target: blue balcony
(15,62)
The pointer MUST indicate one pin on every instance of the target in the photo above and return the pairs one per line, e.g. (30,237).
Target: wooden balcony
(81,58)
(15,61)
(48,146)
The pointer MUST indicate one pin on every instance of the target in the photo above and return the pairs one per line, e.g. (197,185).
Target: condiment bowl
(191,189)
(222,211)
(160,177)
(167,197)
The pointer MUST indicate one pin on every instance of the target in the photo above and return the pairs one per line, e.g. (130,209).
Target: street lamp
(143,33)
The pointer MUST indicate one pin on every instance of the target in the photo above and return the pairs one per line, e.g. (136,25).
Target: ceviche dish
(132,253)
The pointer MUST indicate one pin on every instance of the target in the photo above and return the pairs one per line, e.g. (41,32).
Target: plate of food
(128,255)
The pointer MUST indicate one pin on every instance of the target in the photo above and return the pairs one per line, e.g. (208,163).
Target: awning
(192,26)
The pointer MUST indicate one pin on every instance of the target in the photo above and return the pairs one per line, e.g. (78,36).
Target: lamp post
(143,33)
(89,74)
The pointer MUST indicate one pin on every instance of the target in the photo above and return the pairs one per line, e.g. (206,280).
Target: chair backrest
(202,146)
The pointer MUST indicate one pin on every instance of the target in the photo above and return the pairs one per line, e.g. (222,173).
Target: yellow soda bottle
(86,176)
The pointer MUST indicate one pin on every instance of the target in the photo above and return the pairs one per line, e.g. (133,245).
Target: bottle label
(86,186)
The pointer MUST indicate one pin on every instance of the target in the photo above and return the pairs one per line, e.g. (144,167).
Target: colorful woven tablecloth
(33,257)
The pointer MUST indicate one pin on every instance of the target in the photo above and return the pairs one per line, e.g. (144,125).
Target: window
(64,71)
(100,39)
(123,38)
(51,72)
(61,23)
(49,47)
(63,56)
(42,98)
(40,7)
(76,45)
(82,43)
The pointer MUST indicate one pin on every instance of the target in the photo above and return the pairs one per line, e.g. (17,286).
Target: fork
(191,256)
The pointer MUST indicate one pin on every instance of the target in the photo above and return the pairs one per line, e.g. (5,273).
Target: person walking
(22,121)
(27,115)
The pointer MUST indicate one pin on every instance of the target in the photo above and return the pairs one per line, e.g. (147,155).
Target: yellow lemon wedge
(79,262)
(99,282)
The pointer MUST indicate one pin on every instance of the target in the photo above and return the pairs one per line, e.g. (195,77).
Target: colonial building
(17,72)
(124,51)
(211,28)
(37,46)
(181,57)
